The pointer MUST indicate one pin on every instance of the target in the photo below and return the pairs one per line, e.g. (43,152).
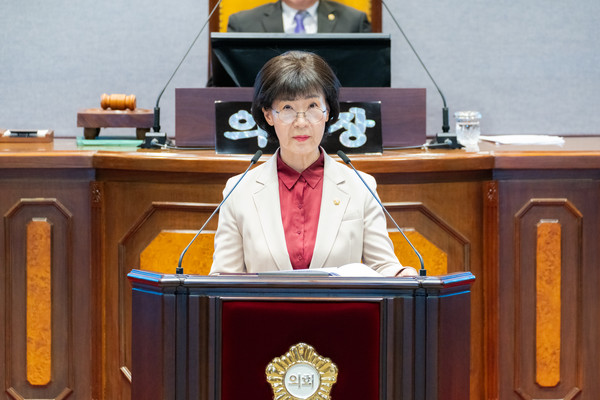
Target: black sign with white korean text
(357,130)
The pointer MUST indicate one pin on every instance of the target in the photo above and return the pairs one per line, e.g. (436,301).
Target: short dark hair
(291,75)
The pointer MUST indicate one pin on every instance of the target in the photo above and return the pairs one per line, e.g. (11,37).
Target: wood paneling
(533,247)
(448,215)
(547,304)
(435,259)
(490,279)
(137,226)
(39,302)
(527,221)
(482,210)
(158,217)
(441,241)
(45,191)
(39,351)
(97,250)
(165,250)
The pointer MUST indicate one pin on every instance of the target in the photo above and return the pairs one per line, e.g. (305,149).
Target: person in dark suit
(322,16)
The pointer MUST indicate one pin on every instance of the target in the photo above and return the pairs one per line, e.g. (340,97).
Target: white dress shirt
(310,21)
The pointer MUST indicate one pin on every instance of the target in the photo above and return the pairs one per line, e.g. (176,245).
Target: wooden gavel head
(117,101)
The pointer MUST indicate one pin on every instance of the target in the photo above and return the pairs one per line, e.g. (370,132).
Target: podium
(403,113)
(211,337)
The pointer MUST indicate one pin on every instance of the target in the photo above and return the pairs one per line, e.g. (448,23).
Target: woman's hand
(407,271)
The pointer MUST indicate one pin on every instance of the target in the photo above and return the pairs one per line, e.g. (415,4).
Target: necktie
(299,19)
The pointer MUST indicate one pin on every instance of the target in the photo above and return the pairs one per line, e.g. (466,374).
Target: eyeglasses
(312,115)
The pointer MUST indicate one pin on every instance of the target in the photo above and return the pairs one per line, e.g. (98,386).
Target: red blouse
(300,199)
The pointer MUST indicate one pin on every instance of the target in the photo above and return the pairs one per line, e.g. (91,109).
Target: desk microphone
(444,137)
(344,157)
(255,158)
(156,123)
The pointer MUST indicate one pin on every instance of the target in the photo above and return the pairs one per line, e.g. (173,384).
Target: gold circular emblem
(301,374)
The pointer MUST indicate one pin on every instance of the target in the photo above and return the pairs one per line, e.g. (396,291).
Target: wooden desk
(513,216)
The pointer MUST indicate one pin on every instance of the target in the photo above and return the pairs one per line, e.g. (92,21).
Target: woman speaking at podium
(300,209)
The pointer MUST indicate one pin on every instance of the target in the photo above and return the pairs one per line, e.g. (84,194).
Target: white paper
(353,270)
(525,139)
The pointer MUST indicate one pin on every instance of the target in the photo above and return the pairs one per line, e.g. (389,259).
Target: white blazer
(351,229)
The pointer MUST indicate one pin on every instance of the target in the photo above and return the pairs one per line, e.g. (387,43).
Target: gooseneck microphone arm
(445,123)
(156,122)
(344,157)
(255,158)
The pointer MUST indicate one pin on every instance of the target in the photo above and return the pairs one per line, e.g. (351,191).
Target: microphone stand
(448,143)
(179,269)
(156,122)
(422,270)
(444,139)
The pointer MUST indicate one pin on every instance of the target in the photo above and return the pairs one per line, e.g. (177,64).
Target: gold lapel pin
(336,202)
(331,17)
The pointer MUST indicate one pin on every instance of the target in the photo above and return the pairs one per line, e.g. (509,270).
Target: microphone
(255,158)
(344,157)
(156,123)
(443,138)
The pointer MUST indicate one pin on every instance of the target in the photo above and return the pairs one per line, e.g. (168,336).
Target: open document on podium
(348,270)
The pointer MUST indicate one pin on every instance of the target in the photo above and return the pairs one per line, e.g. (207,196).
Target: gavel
(117,101)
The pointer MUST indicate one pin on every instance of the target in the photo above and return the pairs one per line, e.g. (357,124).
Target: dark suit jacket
(333,17)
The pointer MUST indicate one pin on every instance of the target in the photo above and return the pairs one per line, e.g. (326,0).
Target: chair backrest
(218,22)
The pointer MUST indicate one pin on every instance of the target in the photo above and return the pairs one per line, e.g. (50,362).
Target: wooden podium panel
(211,338)
(255,331)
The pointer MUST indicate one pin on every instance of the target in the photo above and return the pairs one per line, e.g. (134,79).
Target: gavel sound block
(118,111)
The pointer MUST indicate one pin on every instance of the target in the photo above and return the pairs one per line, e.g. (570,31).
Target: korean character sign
(357,130)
